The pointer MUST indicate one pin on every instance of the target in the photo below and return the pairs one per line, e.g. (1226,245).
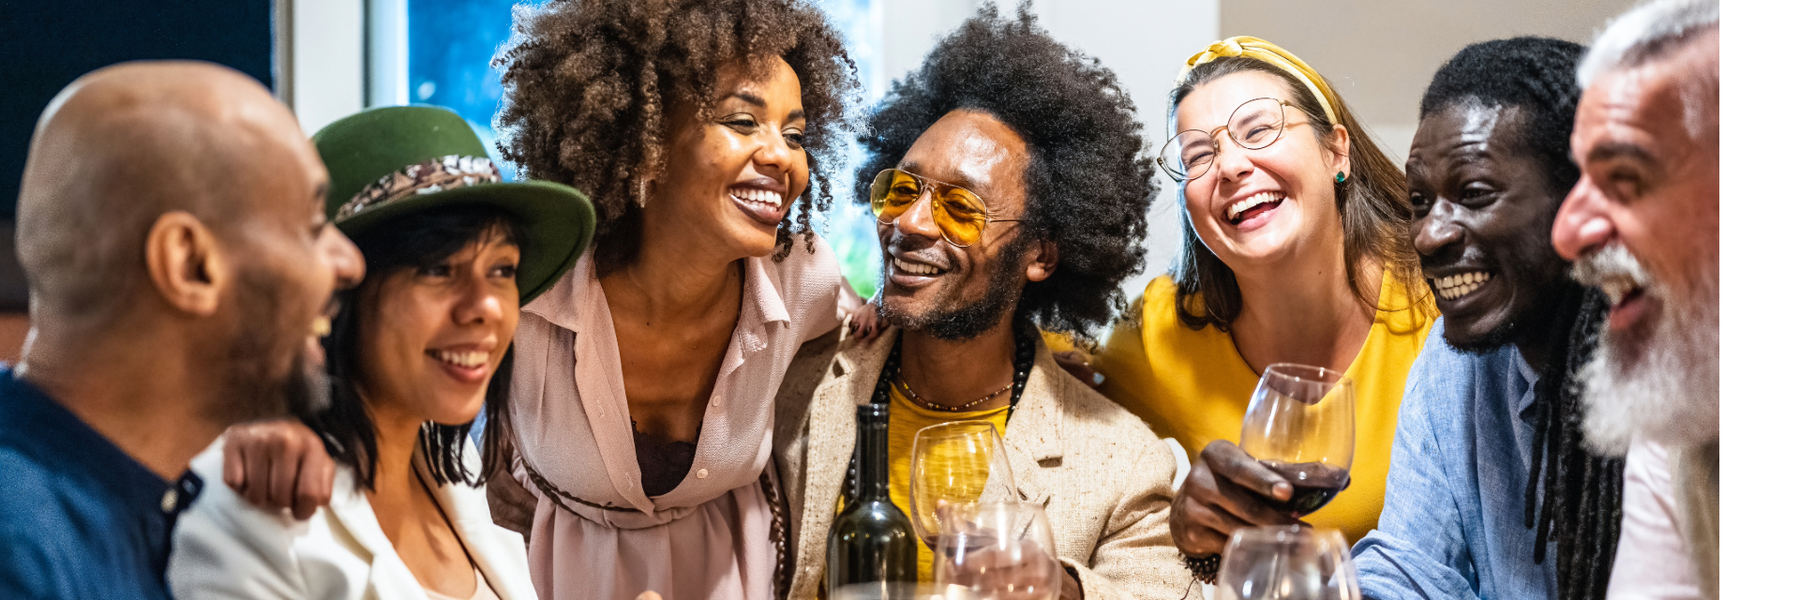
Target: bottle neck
(872,459)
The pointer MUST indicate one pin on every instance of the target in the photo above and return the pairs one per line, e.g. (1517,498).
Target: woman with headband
(1296,250)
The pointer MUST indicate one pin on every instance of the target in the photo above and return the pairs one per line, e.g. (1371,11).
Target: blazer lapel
(1034,436)
(498,558)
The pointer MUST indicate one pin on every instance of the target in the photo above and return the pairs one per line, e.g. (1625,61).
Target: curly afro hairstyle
(588,84)
(1090,181)
(1535,74)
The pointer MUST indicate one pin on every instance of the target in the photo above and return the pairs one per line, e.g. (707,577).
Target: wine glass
(1302,424)
(959,464)
(999,551)
(1289,562)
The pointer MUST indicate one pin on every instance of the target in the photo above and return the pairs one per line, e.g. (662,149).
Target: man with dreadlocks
(1010,186)
(1491,491)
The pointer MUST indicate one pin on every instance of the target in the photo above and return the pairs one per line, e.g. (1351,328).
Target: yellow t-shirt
(905,419)
(1194,386)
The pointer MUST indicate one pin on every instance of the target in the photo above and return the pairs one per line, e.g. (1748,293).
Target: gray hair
(1645,32)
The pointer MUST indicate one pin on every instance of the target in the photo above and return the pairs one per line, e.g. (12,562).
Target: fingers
(316,473)
(233,472)
(649,595)
(1231,462)
(268,458)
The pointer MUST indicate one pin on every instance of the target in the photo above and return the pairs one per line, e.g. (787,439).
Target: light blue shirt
(1453,523)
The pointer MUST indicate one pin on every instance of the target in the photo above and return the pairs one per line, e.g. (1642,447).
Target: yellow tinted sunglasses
(958,212)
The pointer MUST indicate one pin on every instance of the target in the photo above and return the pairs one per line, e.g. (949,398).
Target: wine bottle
(871,540)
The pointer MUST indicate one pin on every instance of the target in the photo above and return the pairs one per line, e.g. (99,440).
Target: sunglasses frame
(937,207)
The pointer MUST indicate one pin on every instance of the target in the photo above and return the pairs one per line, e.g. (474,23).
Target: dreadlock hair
(589,84)
(1583,493)
(1574,497)
(1090,179)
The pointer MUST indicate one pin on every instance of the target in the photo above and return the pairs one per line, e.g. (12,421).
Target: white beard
(1670,393)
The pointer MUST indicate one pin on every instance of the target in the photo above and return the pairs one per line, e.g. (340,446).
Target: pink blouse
(596,534)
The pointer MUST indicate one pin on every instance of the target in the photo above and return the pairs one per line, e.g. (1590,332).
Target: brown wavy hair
(1372,203)
(588,84)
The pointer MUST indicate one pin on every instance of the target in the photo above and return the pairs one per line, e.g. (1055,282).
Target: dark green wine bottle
(871,541)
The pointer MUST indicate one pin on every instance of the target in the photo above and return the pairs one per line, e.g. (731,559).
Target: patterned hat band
(429,177)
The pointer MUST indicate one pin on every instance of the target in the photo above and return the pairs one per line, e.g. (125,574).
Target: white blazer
(226,548)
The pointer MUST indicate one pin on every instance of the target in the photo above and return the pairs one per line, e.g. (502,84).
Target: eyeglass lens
(958,213)
(1253,126)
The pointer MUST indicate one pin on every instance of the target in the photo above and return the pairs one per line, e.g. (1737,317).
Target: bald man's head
(178,193)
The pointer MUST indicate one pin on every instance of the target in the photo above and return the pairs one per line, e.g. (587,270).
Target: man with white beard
(1642,224)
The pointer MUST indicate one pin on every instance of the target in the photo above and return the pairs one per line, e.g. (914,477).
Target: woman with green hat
(415,353)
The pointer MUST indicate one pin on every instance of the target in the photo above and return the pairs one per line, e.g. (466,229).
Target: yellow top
(1194,386)
(905,419)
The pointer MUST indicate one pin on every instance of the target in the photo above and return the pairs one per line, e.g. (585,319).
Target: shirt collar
(71,443)
(1523,403)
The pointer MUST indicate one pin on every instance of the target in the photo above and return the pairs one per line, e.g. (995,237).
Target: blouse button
(701,474)
(169,499)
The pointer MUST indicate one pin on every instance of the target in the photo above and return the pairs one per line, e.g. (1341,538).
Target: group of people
(259,377)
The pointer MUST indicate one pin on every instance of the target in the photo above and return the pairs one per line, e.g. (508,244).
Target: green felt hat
(400,160)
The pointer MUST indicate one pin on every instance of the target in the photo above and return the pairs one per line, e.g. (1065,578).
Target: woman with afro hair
(644,382)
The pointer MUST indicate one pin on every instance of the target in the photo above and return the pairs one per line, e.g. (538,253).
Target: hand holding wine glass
(1301,424)
(1228,488)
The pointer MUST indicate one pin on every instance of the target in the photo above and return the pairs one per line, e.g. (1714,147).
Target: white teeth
(321,326)
(913,268)
(467,360)
(757,196)
(1460,284)
(1249,203)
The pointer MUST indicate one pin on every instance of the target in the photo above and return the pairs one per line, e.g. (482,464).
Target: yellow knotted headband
(1264,51)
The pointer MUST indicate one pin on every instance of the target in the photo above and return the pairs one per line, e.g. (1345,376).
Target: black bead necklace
(1024,352)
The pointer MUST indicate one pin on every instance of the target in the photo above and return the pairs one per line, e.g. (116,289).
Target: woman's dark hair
(1582,494)
(1535,74)
(410,242)
(1372,203)
(589,83)
(1090,180)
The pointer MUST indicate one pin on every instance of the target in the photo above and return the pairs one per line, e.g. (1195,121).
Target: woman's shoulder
(1406,305)
(224,546)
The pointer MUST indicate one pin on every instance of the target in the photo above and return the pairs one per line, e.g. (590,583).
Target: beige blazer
(1102,475)
(225,548)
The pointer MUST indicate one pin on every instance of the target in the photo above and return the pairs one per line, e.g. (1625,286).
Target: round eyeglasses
(1255,125)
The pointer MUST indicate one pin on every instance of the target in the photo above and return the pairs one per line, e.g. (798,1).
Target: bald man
(172,229)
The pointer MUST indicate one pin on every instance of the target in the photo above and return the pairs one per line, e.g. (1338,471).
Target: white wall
(327,77)
(1144,41)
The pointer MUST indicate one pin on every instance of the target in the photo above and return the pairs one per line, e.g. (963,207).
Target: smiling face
(731,177)
(1256,208)
(933,284)
(432,336)
(1482,212)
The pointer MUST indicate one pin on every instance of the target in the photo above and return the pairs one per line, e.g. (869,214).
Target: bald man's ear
(1044,264)
(185,262)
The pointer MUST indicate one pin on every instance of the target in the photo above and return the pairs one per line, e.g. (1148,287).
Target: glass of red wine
(1302,424)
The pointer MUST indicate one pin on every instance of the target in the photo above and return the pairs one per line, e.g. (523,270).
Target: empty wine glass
(959,464)
(1288,562)
(1302,424)
(999,551)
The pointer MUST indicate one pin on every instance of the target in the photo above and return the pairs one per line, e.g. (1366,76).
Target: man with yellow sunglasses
(1010,188)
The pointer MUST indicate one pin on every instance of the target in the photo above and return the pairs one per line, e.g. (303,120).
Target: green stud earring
(1340,177)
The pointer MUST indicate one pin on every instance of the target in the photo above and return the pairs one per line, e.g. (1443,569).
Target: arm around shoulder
(226,548)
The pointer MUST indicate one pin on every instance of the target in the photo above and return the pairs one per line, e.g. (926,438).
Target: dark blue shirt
(81,519)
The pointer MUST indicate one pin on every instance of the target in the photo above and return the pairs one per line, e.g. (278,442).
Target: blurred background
(331,58)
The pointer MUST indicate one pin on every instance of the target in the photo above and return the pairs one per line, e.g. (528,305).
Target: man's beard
(249,390)
(959,323)
(1660,383)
